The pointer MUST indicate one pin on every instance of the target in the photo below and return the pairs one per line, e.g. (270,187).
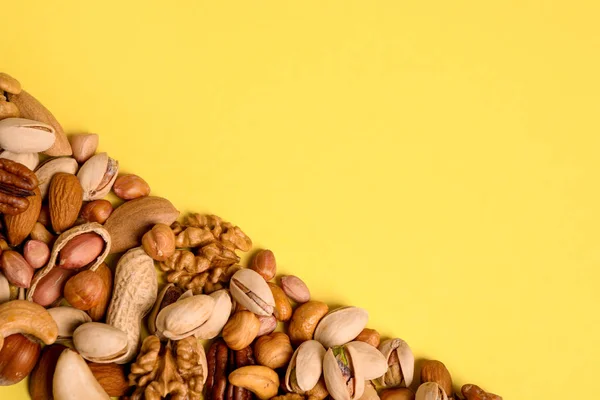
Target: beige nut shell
(61,242)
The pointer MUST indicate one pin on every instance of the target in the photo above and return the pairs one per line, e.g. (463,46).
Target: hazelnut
(97,211)
(370,336)
(17,358)
(241,330)
(159,242)
(274,350)
(36,253)
(397,394)
(264,263)
(129,187)
(84,290)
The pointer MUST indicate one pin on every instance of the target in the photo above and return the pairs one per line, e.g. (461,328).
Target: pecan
(16,183)
(221,362)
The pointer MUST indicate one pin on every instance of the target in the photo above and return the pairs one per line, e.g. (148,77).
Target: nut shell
(250,290)
(99,342)
(341,325)
(308,364)
(183,318)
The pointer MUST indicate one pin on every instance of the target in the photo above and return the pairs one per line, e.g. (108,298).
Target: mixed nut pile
(57,290)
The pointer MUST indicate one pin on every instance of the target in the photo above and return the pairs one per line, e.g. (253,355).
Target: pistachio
(100,343)
(30,160)
(250,290)
(305,367)
(367,359)
(219,316)
(267,325)
(341,325)
(342,379)
(68,319)
(47,170)
(430,391)
(97,176)
(401,363)
(182,318)
(370,392)
(21,135)
(167,296)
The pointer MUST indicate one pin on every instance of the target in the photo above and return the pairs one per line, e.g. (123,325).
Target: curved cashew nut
(21,316)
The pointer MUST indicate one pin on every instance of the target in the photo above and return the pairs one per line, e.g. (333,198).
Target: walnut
(161,372)
(212,245)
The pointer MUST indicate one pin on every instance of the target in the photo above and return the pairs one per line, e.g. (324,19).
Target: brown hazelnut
(97,211)
(159,242)
(397,394)
(370,336)
(129,187)
(264,263)
(274,350)
(84,290)
(17,358)
(241,330)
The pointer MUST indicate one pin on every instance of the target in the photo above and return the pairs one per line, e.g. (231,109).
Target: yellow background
(433,162)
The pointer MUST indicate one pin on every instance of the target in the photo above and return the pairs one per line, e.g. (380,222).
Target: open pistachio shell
(97,176)
(430,391)
(100,343)
(68,320)
(370,392)
(251,290)
(305,367)
(219,316)
(367,360)
(61,242)
(401,363)
(343,381)
(341,325)
(182,318)
(168,295)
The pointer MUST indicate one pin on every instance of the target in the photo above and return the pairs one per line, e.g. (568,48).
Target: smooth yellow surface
(433,162)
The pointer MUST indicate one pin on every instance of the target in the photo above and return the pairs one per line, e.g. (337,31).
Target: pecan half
(221,362)
(16,183)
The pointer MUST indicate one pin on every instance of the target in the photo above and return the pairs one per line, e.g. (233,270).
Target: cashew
(20,316)
(262,381)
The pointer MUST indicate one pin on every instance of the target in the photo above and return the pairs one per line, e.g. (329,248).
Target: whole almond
(16,269)
(128,223)
(19,226)
(295,288)
(40,380)
(111,377)
(50,287)
(264,263)
(65,199)
(159,242)
(84,146)
(98,312)
(436,371)
(97,211)
(85,290)
(31,108)
(36,253)
(81,250)
(129,187)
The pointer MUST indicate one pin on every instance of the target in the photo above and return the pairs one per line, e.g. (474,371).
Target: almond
(128,223)
(19,226)
(66,198)
(111,377)
(436,371)
(31,108)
